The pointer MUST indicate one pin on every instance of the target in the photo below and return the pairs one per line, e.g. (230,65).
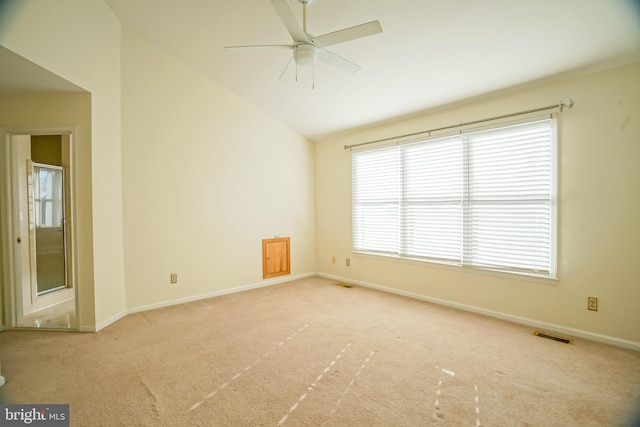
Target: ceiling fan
(307,48)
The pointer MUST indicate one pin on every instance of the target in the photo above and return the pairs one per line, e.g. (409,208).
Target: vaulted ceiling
(430,53)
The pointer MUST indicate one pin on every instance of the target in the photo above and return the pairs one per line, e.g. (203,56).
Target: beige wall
(82,45)
(599,201)
(206,177)
(213,174)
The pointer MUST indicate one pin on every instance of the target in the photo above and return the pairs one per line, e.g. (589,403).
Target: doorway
(38,250)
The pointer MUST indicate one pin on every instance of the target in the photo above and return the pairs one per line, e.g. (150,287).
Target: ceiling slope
(430,53)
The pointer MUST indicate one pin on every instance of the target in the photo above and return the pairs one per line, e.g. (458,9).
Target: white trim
(104,323)
(572,332)
(9,234)
(262,284)
(5,229)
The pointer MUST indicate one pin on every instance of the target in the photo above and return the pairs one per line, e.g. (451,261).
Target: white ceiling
(430,53)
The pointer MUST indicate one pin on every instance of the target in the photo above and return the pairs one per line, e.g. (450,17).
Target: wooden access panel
(275,257)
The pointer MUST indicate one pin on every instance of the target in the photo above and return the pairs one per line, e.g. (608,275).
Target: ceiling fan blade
(338,61)
(289,20)
(351,33)
(260,46)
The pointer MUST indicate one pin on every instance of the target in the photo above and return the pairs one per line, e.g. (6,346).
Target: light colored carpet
(309,353)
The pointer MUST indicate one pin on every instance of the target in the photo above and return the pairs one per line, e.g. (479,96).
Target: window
(48,196)
(482,199)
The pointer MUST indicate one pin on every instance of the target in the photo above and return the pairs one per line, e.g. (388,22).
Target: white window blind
(433,199)
(376,211)
(483,199)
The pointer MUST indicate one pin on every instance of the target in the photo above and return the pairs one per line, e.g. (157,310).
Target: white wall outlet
(174,278)
(348,262)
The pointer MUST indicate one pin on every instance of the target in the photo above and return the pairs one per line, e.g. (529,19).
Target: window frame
(463,261)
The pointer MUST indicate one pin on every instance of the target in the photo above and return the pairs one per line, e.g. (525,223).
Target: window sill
(512,275)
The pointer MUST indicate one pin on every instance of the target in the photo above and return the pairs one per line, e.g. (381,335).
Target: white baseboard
(572,332)
(104,323)
(264,283)
(606,339)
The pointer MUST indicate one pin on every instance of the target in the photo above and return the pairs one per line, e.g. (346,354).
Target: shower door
(48,209)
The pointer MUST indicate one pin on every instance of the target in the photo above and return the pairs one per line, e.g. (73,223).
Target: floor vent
(553,337)
(344,285)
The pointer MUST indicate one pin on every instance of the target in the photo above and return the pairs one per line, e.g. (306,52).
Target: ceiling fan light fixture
(305,54)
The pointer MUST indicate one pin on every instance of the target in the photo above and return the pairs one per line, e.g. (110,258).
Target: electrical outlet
(348,262)
(333,259)
(592,304)
(174,278)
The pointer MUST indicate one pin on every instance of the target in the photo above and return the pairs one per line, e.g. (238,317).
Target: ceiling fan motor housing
(305,54)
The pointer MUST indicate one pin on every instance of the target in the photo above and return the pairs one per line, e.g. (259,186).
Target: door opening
(40,291)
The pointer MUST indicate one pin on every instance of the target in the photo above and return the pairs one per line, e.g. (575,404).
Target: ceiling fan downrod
(304,13)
